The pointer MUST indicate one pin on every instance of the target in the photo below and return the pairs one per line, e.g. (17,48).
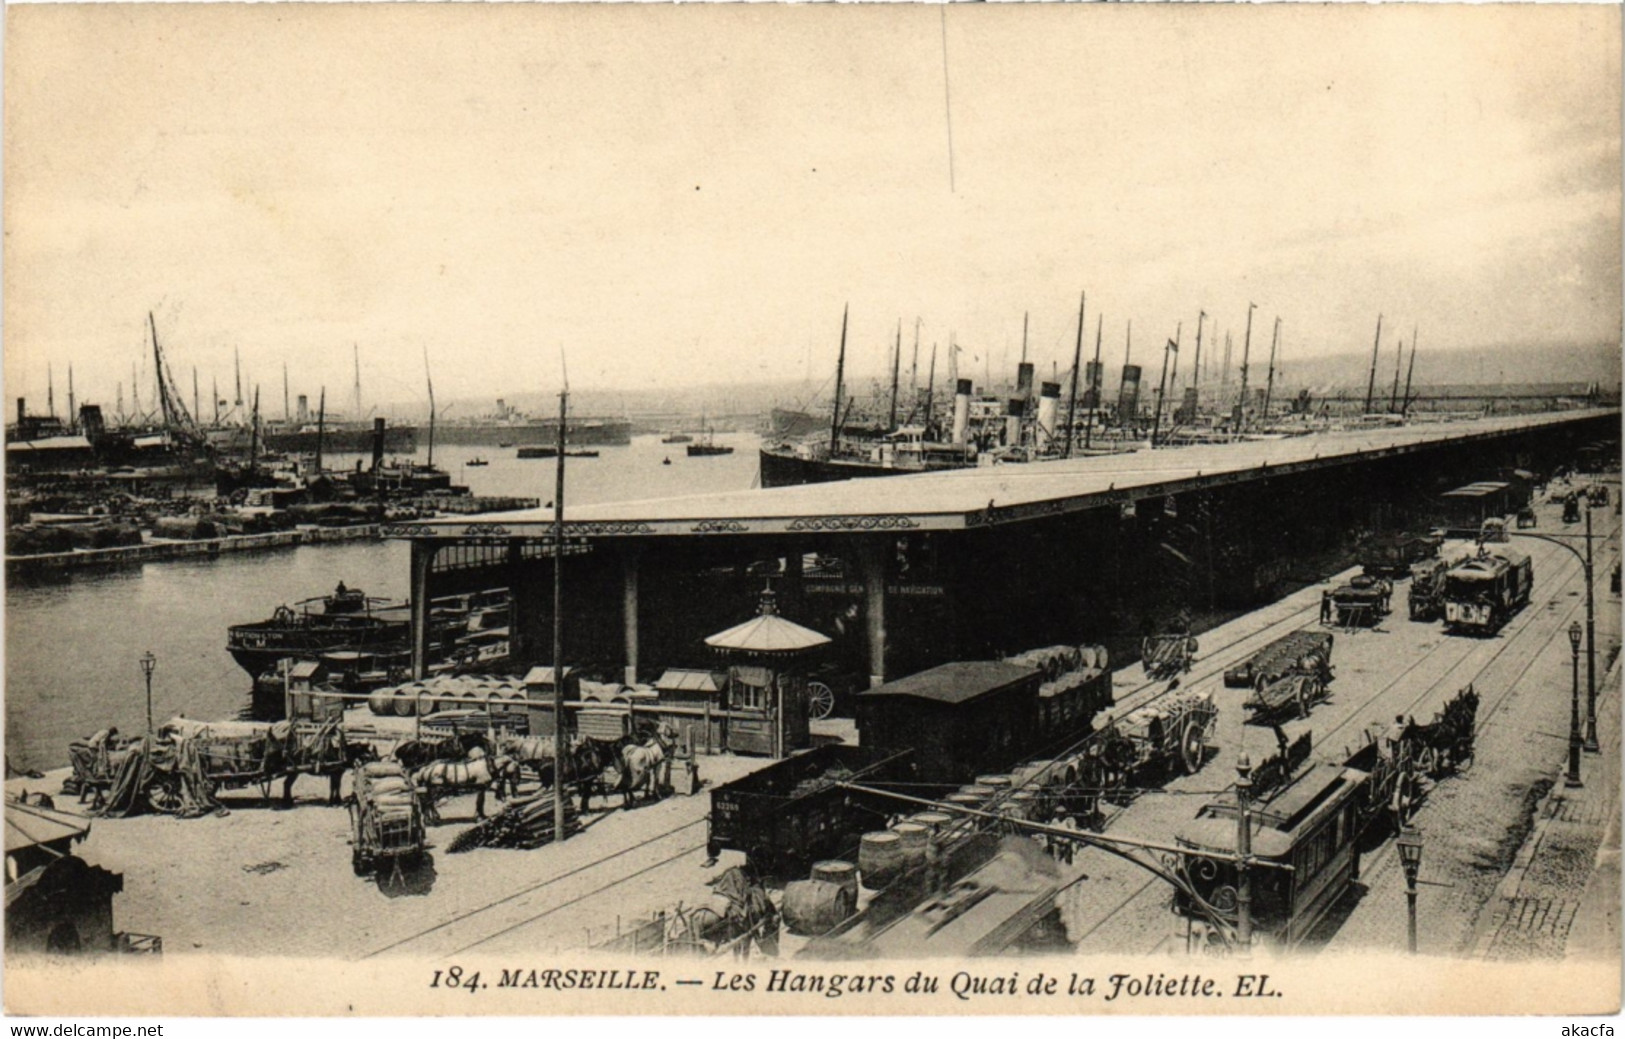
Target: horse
(479,772)
(324,752)
(647,765)
(414,754)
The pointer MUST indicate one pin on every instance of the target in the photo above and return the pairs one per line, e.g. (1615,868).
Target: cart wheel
(820,701)
(1191,746)
(358,863)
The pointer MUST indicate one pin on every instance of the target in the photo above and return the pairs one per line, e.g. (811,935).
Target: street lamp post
(1410,857)
(1591,743)
(1244,854)
(1573,778)
(148,663)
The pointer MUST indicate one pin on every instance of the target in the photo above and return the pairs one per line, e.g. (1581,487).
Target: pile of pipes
(521,824)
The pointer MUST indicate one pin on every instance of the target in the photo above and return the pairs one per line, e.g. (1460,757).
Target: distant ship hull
(398,440)
(581,432)
(784,469)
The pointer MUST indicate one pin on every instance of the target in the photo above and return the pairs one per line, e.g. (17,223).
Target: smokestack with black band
(1049,404)
(22,409)
(1024,380)
(1012,421)
(304,409)
(961,411)
(377,444)
(1128,398)
(1091,382)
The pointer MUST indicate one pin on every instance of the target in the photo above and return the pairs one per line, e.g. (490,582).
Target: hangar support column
(422,562)
(872,561)
(630,559)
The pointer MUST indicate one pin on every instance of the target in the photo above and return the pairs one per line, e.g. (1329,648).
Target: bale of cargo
(880,859)
(406,702)
(381,701)
(35,539)
(104,535)
(183,528)
(837,871)
(814,907)
(1025,804)
(964,800)
(998,783)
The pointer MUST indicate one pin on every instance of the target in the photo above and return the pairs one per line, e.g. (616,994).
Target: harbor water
(73,645)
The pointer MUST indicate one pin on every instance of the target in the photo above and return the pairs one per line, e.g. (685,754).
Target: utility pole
(1269,383)
(558,620)
(1077,356)
(1371,384)
(1246,354)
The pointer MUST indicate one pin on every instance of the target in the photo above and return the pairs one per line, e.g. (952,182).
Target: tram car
(1362,602)
(1481,594)
(1304,858)
(933,730)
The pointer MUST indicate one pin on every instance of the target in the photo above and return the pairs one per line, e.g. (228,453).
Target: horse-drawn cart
(1172,732)
(1282,657)
(386,821)
(1165,656)
(1293,677)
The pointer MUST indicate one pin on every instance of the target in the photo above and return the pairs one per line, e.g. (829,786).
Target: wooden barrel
(999,782)
(837,871)
(381,701)
(912,839)
(1028,772)
(983,794)
(1086,657)
(813,907)
(932,821)
(406,702)
(880,858)
(1024,804)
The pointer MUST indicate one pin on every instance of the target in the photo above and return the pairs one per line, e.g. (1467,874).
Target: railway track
(581,886)
(1484,663)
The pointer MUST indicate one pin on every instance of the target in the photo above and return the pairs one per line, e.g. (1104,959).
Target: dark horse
(1445,743)
(322,752)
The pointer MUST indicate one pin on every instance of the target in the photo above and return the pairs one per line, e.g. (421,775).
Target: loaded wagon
(1363,601)
(1169,733)
(1394,555)
(1295,677)
(386,820)
(1165,656)
(1426,594)
(795,811)
(1280,657)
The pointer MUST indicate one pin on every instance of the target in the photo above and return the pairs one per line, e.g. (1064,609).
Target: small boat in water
(676,438)
(707,446)
(348,619)
(477,461)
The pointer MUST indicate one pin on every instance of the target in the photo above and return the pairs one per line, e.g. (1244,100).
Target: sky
(688,195)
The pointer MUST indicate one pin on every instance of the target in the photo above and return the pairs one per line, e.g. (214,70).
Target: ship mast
(357,348)
(429,377)
(1077,358)
(896,361)
(321,428)
(177,420)
(1269,383)
(1371,384)
(1405,410)
(1246,354)
(840,374)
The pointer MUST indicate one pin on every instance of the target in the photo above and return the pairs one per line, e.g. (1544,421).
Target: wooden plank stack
(521,824)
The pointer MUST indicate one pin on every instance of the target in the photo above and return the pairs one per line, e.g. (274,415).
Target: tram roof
(968,498)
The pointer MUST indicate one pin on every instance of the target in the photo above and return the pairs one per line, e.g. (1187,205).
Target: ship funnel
(377,444)
(1049,403)
(961,411)
(1093,378)
(1128,398)
(304,409)
(1012,421)
(22,409)
(1024,380)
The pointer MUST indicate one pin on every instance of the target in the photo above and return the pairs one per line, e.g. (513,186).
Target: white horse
(647,765)
(477,772)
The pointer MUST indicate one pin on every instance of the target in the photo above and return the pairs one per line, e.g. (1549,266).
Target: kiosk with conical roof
(767,684)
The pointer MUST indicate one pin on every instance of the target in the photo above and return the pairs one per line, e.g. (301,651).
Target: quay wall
(159,550)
